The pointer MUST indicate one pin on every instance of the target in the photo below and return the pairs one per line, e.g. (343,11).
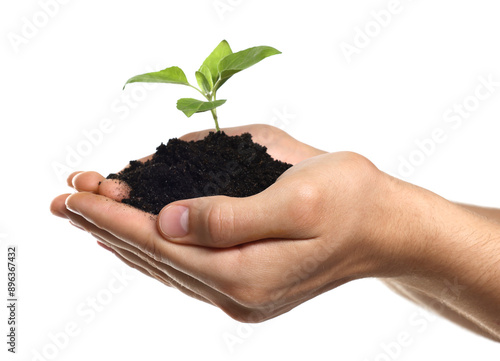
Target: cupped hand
(254,257)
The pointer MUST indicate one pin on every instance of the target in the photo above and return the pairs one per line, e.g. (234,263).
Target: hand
(329,219)
(280,146)
(254,257)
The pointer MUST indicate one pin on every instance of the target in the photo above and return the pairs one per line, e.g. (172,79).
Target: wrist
(433,237)
(450,254)
(411,227)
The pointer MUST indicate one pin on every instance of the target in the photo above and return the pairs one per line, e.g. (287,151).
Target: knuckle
(309,198)
(360,171)
(220,223)
(152,250)
(308,194)
(357,163)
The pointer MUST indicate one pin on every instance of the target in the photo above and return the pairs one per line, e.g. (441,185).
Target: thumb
(222,221)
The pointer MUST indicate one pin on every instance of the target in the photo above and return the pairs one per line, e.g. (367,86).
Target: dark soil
(217,165)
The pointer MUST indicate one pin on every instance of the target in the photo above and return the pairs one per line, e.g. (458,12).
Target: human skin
(330,219)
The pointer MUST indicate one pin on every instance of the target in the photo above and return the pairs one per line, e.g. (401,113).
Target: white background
(66,76)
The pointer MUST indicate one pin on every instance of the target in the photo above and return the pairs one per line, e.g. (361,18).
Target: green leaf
(189,106)
(203,82)
(173,75)
(236,62)
(208,75)
(212,61)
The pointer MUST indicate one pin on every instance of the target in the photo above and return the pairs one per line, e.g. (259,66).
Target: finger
(186,283)
(87,181)
(132,260)
(58,206)
(76,226)
(114,189)
(200,269)
(69,180)
(103,245)
(96,183)
(126,227)
(221,276)
(222,221)
(137,264)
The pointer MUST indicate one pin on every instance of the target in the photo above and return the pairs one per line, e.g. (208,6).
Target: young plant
(217,68)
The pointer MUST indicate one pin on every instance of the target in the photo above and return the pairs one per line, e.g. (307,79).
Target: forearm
(493,214)
(445,255)
(436,305)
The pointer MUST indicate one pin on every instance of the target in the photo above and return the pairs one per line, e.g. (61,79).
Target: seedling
(217,68)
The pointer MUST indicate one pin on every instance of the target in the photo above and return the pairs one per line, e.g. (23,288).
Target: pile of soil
(217,165)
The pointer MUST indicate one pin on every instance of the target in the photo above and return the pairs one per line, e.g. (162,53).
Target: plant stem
(214,114)
(210,97)
(198,90)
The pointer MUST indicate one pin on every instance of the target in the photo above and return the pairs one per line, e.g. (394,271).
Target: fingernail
(71,177)
(68,203)
(173,221)
(105,247)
